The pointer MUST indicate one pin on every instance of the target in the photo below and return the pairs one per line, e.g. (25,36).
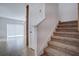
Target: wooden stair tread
(67,34)
(68,28)
(73,43)
(66,38)
(64,46)
(69,22)
(55,52)
(76,33)
(70,52)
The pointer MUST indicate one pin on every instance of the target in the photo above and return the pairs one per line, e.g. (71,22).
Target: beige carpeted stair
(65,41)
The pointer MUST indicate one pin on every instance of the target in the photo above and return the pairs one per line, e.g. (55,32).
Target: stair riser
(66,30)
(67,25)
(67,35)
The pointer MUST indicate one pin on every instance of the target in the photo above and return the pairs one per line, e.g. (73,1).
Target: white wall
(13,10)
(3,30)
(68,11)
(36,15)
(46,28)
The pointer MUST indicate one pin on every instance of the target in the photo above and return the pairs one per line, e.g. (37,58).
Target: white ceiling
(12,10)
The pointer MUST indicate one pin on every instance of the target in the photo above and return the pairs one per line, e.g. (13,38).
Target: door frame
(30,50)
(27,24)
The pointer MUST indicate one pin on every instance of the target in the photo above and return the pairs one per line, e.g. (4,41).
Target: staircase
(65,41)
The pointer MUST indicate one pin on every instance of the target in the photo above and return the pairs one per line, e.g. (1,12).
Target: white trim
(12,18)
(15,36)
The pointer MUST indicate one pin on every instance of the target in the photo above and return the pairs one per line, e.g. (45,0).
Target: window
(15,36)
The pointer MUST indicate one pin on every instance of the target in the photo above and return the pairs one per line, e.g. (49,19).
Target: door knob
(30,31)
